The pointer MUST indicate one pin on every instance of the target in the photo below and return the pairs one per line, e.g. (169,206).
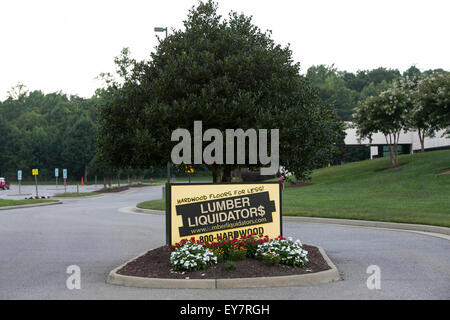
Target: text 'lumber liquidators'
(209,211)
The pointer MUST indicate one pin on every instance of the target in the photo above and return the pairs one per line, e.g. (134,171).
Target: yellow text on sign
(35,172)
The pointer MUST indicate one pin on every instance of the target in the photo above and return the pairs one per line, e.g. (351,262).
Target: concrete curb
(349,222)
(374,224)
(257,282)
(21,206)
(103,194)
(79,198)
(148,211)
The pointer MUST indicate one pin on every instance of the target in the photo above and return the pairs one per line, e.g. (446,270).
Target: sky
(54,45)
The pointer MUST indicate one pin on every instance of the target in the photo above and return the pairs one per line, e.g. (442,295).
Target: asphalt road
(38,244)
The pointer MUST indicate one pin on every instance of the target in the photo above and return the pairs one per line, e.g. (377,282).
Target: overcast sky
(65,44)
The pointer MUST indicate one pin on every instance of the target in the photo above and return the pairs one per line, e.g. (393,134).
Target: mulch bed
(118,189)
(139,185)
(155,264)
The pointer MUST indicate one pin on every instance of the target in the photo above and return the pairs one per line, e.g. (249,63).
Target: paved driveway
(38,244)
(44,190)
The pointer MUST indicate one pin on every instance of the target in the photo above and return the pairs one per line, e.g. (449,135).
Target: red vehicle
(4,184)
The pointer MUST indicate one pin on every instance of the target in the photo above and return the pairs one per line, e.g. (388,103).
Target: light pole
(161,29)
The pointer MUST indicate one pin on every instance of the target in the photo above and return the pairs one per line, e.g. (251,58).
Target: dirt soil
(155,264)
(118,189)
(139,185)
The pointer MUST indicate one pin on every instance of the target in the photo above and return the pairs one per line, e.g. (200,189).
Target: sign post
(209,212)
(35,173)
(56,176)
(19,177)
(188,169)
(65,178)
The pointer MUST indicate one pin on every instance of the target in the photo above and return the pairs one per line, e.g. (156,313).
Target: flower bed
(156,264)
(189,255)
(246,257)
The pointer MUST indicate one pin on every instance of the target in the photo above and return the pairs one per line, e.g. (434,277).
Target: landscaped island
(246,257)
(7,203)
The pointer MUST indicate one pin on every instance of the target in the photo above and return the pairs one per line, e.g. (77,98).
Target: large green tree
(431,100)
(40,130)
(226,73)
(385,113)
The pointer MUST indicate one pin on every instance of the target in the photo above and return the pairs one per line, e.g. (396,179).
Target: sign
(56,172)
(19,175)
(64,174)
(35,172)
(188,169)
(206,211)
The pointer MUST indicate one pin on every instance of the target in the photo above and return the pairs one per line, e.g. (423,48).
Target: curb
(326,276)
(21,206)
(348,222)
(79,198)
(374,224)
(148,211)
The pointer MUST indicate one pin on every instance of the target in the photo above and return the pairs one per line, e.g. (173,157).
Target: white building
(408,142)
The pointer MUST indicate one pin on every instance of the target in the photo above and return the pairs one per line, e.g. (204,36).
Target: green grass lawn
(411,193)
(6,203)
(153,204)
(368,190)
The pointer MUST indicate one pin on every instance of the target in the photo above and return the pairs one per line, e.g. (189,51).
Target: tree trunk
(392,159)
(104,182)
(391,153)
(226,177)
(216,173)
(422,140)
(397,138)
(395,155)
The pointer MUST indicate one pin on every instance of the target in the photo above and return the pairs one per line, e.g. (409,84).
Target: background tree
(343,90)
(35,130)
(79,146)
(431,111)
(385,113)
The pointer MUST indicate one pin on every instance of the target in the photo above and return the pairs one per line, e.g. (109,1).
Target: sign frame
(168,199)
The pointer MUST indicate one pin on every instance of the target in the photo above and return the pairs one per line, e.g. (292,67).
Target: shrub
(239,253)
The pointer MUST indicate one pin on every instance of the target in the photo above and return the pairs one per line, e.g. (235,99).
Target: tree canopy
(226,73)
(45,131)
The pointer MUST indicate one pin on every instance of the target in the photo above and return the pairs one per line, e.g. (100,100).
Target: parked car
(4,184)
